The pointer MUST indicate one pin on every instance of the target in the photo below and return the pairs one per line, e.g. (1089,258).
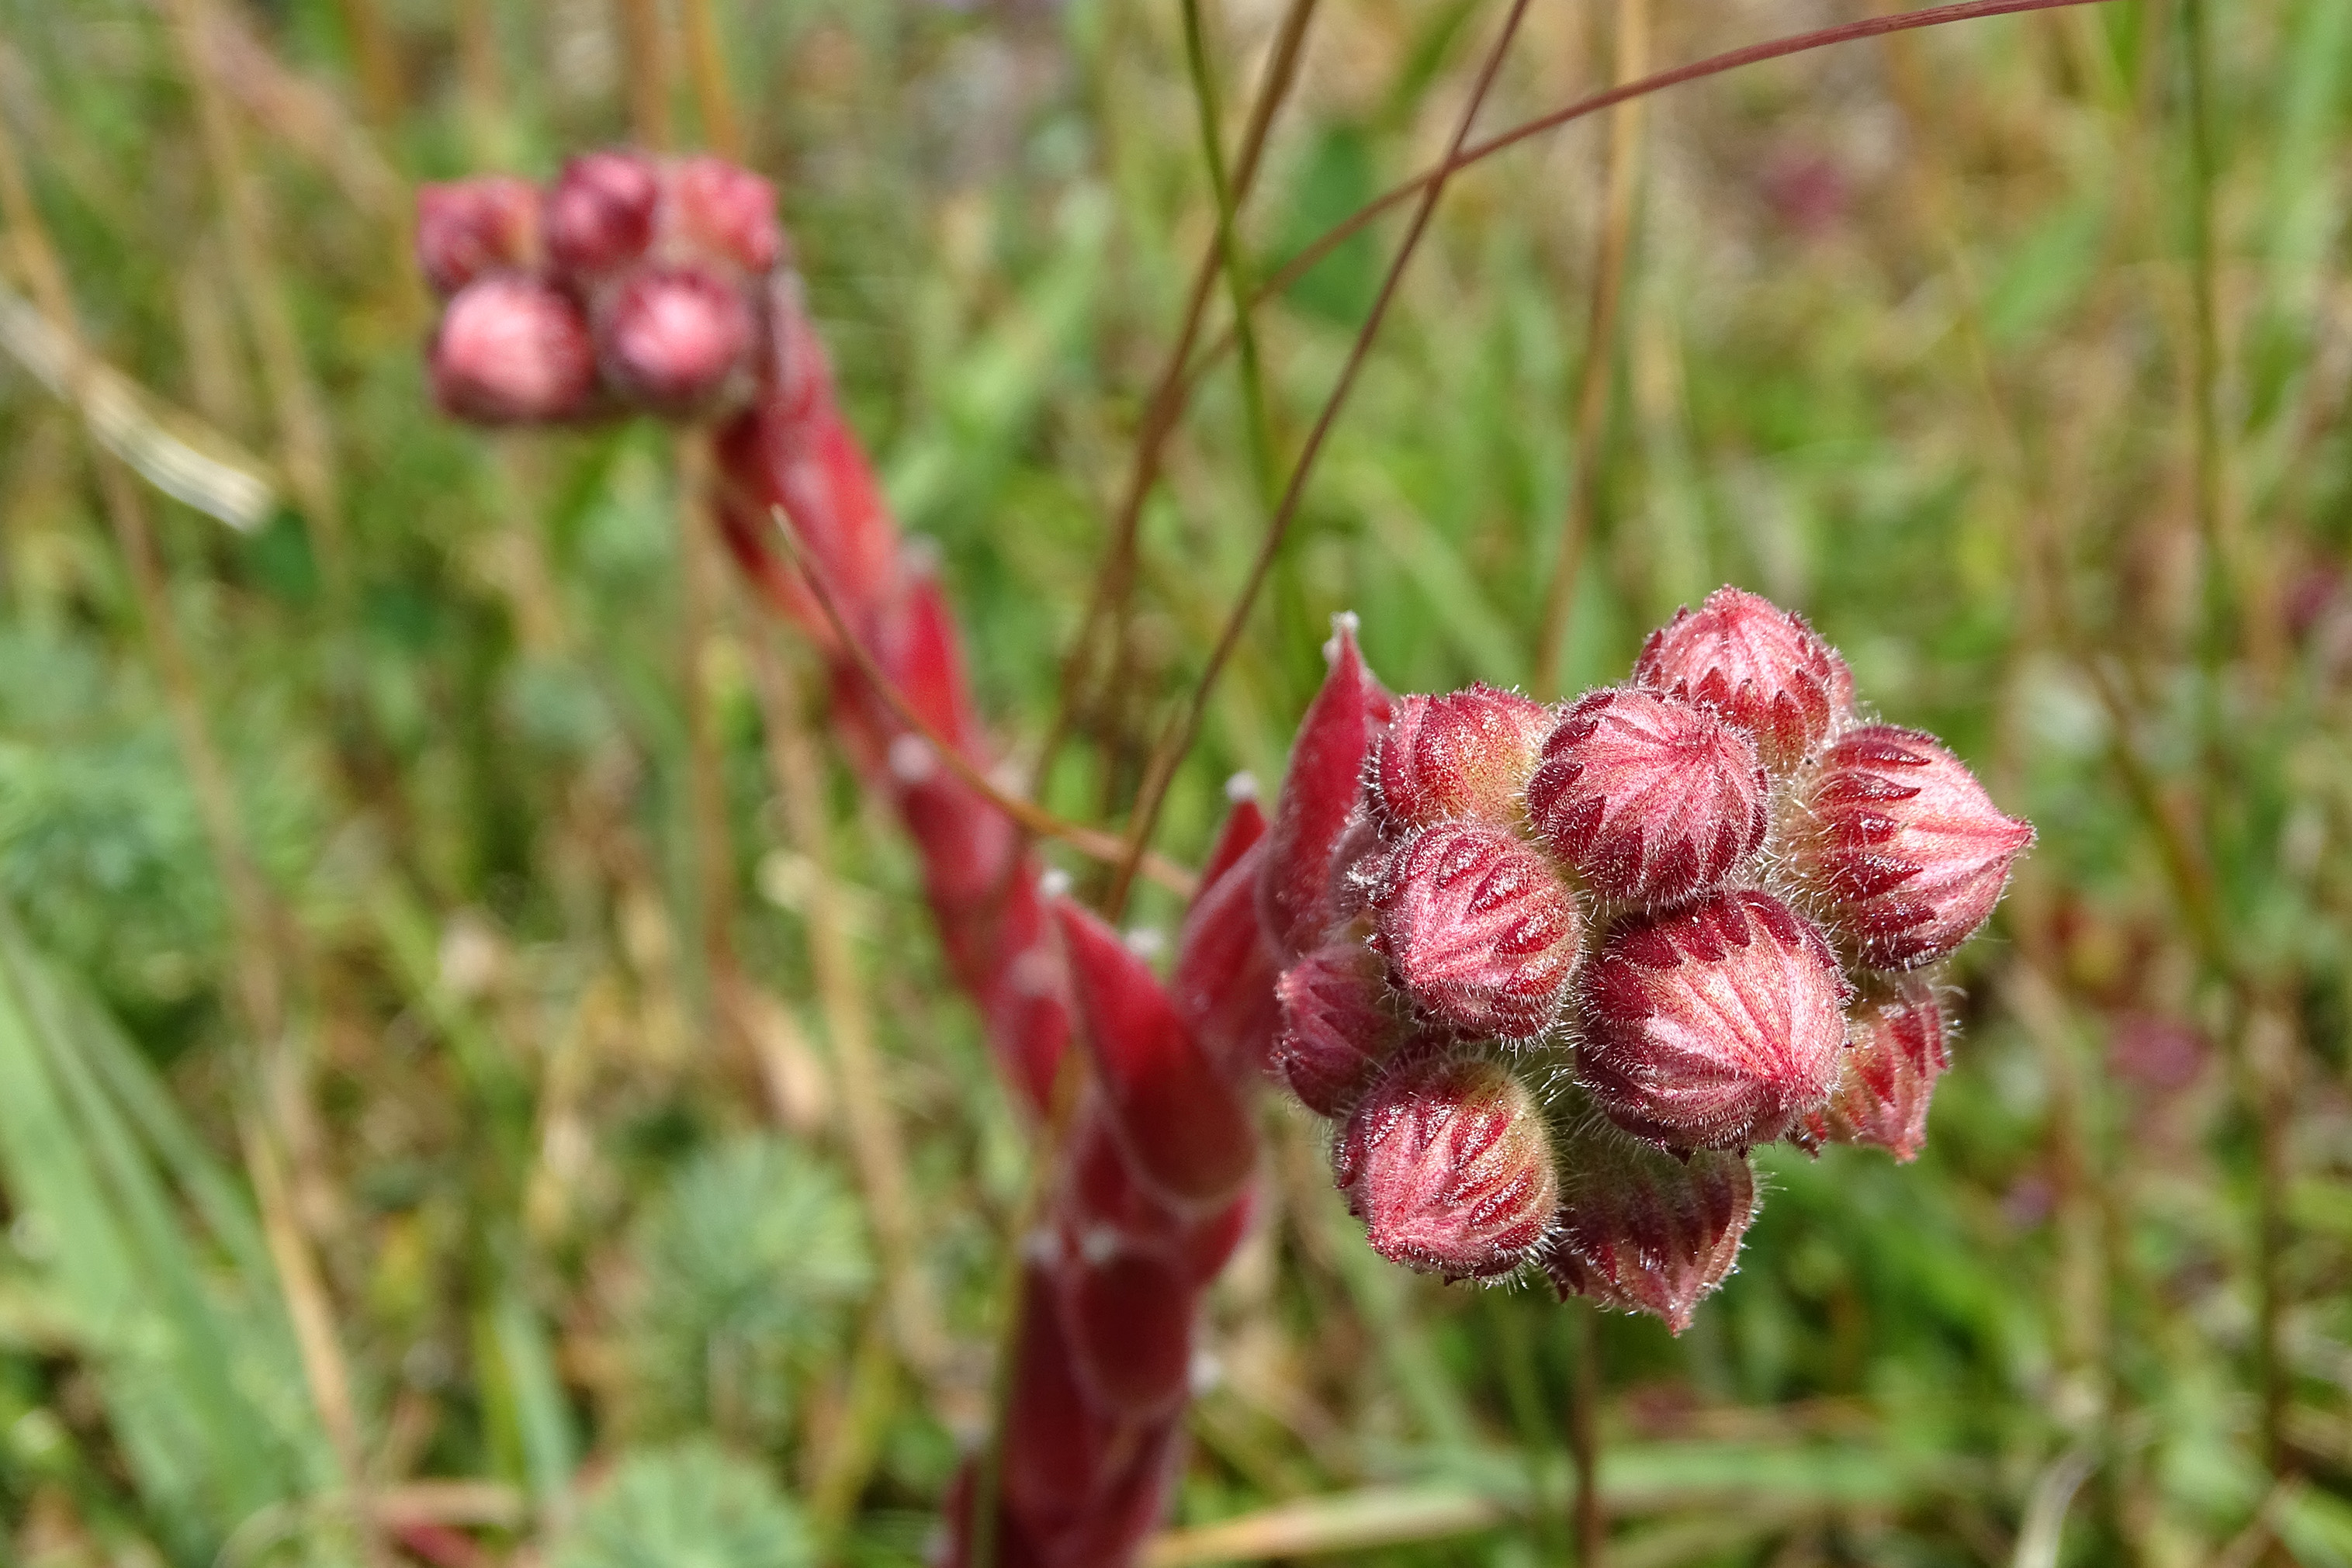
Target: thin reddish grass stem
(1181,737)
(1033,819)
(1170,392)
(1299,265)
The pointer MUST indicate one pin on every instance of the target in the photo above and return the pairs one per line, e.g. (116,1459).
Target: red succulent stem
(1154,1191)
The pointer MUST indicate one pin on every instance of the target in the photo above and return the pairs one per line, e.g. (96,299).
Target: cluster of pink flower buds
(632,284)
(1554,971)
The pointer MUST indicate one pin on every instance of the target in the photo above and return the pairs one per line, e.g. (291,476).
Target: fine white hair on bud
(1145,941)
(1344,626)
(1055,883)
(1241,787)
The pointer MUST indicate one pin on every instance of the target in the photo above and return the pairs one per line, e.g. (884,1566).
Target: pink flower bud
(1644,1230)
(726,212)
(1898,849)
(1449,1164)
(600,216)
(1895,1051)
(1182,1122)
(1339,1024)
(1481,929)
(1465,754)
(1756,665)
(678,341)
(1647,797)
(468,227)
(511,350)
(1318,796)
(1715,1026)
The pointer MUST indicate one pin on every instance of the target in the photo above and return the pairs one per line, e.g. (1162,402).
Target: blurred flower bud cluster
(633,284)
(1554,970)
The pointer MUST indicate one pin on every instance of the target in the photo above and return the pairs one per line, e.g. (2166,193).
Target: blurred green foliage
(2016,355)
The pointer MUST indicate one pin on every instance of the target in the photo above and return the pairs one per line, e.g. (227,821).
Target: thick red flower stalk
(651,286)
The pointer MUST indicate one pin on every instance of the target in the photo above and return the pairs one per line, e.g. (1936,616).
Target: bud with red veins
(1319,796)
(1465,754)
(1644,1230)
(1339,1023)
(1757,665)
(1716,1026)
(1481,929)
(676,341)
(1449,1164)
(1897,848)
(511,350)
(1649,797)
(468,227)
(1895,1051)
(723,210)
(601,214)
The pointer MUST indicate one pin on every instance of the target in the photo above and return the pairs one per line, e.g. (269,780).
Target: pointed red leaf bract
(1178,1116)
(1223,981)
(1320,795)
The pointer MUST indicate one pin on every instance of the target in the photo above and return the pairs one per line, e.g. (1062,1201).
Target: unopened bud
(1449,1164)
(1319,796)
(600,216)
(1644,1230)
(1465,754)
(1649,797)
(1482,930)
(468,227)
(511,350)
(1339,1024)
(1895,1051)
(1756,665)
(1898,849)
(1715,1026)
(678,341)
(724,211)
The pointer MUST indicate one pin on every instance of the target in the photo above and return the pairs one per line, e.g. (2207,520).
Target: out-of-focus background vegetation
(397,1090)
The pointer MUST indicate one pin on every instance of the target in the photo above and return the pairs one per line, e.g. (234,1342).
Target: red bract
(1898,849)
(510,351)
(723,210)
(676,341)
(468,227)
(1648,1231)
(1449,1164)
(1713,1027)
(1318,796)
(1176,1115)
(1127,1310)
(1465,754)
(1649,797)
(1481,929)
(600,216)
(1222,981)
(1339,1023)
(1759,666)
(1894,1052)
